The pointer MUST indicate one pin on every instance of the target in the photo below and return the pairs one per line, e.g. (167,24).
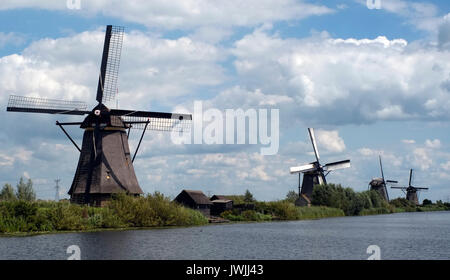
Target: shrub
(346,199)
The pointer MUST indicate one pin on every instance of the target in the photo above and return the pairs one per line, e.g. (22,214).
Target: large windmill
(379,184)
(105,165)
(411,191)
(314,173)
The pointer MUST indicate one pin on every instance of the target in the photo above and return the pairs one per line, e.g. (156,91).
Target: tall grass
(281,210)
(121,212)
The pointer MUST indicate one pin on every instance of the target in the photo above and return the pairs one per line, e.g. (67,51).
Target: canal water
(420,235)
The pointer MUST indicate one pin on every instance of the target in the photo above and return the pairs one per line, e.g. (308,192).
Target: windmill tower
(105,165)
(379,184)
(314,173)
(410,190)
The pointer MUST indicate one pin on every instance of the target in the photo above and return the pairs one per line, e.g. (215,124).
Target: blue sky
(371,81)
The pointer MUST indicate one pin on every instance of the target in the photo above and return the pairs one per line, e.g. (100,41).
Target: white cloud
(433,144)
(259,173)
(422,158)
(422,15)
(388,158)
(11,38)
(6,160)
(335,81)
(408,141)
(446,166)
(10,156)
(186,13)
(330,140)
(151,67)
(238,97)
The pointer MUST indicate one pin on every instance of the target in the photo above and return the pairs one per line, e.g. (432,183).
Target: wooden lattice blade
(27,104)
(155,120)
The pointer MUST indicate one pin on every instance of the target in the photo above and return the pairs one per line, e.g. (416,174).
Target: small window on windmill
(108,175)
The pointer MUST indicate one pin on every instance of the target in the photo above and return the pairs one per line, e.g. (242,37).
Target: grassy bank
(368,202)
(327,201)
(281,210)
(123,211)
(19,216)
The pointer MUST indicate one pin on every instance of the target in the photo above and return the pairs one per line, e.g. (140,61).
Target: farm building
(196,200)
(219,197)
(221,205)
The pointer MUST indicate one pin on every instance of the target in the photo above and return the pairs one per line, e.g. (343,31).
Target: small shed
(221,205)
(196,200)
(219,197)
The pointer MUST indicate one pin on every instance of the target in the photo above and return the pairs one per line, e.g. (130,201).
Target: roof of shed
(198,196)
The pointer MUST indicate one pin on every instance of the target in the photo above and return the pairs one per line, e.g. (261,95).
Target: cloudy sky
(370,81)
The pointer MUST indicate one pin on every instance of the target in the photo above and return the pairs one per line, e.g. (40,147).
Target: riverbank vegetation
(368,202)
(281,211)
(20,212)
(327,201)
(25,214)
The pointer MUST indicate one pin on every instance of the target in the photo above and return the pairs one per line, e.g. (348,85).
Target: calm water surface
(399,236)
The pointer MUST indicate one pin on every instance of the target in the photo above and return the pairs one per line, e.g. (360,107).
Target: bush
(346,199)
(404,204)
(121,211)
(427,202)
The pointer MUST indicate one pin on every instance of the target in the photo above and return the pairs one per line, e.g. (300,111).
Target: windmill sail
(109,69)
(47,106)
(155,120)
(410,177)
(337,165)
(381,167)
(303,168)
(392,181)
(313,141)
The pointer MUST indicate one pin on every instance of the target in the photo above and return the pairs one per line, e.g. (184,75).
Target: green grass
(281,210)
(122,212)
(374,211)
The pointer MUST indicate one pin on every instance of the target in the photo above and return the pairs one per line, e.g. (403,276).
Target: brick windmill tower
(105,165)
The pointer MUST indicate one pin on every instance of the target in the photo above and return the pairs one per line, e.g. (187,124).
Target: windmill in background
(410,190)
(105,165)
(314,173)
(380,185)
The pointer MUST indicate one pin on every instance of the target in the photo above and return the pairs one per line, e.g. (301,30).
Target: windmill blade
(399,188)
(381,167)
(303,168)
(148,114)
(387,193)
(421,188)
(337,165)
(109,69)
(322,180)
(410,177)
(313,141)
(46,106)
(391,182)
(155,120)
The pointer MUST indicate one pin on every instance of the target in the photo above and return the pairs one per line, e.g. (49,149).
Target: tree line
(24,191)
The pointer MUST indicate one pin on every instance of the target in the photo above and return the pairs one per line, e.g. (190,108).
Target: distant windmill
(410,191)
(314,173)
(379,184)
(105,164)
